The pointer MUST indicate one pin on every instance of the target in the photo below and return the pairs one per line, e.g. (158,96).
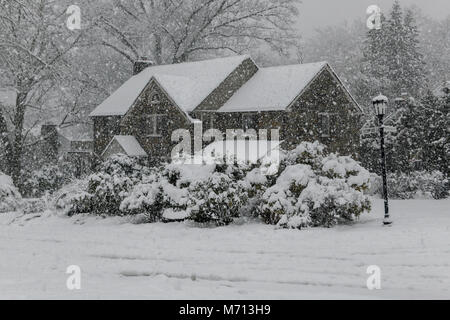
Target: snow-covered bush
(315,189)
(48,179)
(312,188)
(413,185)
(418,185)
(256,183)
(34,205)
(107,189)
(164,191)
(10,198)
(305,153)
(145,199)
(339,167)
(73,198)
(376,185)
(219,199)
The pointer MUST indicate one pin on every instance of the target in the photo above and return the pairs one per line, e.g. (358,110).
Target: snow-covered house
(305,102)
(72,145)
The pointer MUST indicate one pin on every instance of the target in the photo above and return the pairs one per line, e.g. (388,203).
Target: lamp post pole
(387,218)
(380,104)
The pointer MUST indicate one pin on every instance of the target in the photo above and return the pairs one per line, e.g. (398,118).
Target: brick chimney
(141,64)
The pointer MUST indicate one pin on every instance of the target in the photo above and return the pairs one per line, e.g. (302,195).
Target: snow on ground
(250,261)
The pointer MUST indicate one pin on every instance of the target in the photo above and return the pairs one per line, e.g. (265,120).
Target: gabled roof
(188,84)
(274,88)
(130,146)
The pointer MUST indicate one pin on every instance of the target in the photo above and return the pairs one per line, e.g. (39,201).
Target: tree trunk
(5,164)
(17,148)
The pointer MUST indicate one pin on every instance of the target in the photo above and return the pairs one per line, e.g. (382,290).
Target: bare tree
(176,30)
(34,43)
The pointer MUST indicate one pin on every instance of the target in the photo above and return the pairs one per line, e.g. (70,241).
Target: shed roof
(130,146)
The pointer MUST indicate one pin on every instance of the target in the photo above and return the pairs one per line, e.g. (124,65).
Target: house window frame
(249,121)
(211,117)
(328,132)
(152,120)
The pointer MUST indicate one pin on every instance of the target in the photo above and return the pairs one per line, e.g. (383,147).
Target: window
(248,122)
(208,120)
(154,125)
(156,99)
(325,124)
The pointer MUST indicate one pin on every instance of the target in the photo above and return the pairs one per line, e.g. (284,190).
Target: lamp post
(380,104)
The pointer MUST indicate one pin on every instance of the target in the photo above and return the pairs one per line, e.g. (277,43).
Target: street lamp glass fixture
(380,103)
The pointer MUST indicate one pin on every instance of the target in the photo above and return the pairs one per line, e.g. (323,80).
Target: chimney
(141,64)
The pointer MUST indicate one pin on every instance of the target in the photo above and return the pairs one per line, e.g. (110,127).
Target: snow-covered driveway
(253,261)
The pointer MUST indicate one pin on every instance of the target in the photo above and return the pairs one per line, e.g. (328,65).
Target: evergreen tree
(407,144)
(414,64)
(392,60)
(434,133)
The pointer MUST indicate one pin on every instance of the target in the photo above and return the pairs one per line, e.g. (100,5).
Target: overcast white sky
(317,13)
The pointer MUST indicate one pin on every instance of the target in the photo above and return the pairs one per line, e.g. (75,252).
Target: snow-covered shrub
(376,185)
(256,183)
(73,198)
(315,189)
(326,202)
(80,203)
(10,198)
(107,189)
(256,180)
(417,185)
(34,205)
(183,175)
(305,153)
(62,198)
(48,179)
(164,191)
(339,167)
(145,198)
(282,198)
(219,199)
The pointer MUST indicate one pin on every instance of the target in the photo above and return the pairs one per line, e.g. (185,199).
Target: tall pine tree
(392,59)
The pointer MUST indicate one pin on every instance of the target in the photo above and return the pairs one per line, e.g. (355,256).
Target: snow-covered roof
(129,145)
(188,84)
(273,89)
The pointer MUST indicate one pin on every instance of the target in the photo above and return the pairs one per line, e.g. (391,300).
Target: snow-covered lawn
(251,261)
